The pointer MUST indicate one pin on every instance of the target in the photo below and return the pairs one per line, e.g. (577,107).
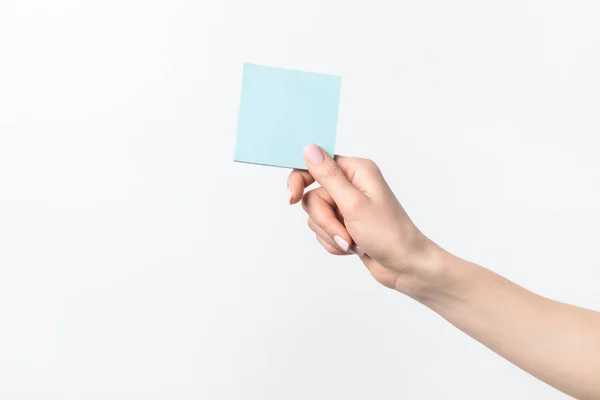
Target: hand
(355,211)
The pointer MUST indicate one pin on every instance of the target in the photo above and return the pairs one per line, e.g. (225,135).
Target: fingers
(354,249)
(323,238)
(297,182)
(320,208)
(330,248)
(362,173)
(332,178)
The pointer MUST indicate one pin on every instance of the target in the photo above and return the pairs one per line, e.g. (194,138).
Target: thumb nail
(313,154)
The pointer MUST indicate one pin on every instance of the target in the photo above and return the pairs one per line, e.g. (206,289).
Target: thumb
(331,177)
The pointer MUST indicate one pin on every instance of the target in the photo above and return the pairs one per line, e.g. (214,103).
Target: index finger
(297,182)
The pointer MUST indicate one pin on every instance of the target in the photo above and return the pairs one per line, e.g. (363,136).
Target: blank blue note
(281,111)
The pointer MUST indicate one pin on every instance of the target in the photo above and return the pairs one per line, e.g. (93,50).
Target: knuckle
(304,205)
(321,192)
(333,173)
(306,200)
(325,226)
(370,165)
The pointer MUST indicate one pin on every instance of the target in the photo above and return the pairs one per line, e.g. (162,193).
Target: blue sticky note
(281,111)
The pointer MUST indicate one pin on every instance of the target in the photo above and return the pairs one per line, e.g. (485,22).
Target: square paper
(282,111)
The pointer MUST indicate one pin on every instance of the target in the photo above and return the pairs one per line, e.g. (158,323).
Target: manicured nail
(313,154)
(341,242)
(289,195)
(357,250)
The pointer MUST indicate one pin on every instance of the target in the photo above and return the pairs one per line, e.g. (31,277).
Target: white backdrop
(137,261)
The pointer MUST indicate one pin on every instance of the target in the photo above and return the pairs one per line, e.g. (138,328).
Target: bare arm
(355,211)
(555,342)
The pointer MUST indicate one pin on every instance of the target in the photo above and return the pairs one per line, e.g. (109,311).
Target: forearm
(555,342)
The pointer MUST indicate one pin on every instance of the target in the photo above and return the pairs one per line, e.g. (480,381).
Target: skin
(354,211)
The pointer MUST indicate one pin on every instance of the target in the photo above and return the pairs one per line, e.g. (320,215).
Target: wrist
(436,277)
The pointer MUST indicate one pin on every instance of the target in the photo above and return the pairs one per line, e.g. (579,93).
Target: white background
(137,261)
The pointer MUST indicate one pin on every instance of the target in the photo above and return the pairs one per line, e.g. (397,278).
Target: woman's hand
(355,211)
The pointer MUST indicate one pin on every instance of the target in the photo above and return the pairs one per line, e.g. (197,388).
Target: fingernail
(357,250)
(341,242)
(289,195)
(313,154)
